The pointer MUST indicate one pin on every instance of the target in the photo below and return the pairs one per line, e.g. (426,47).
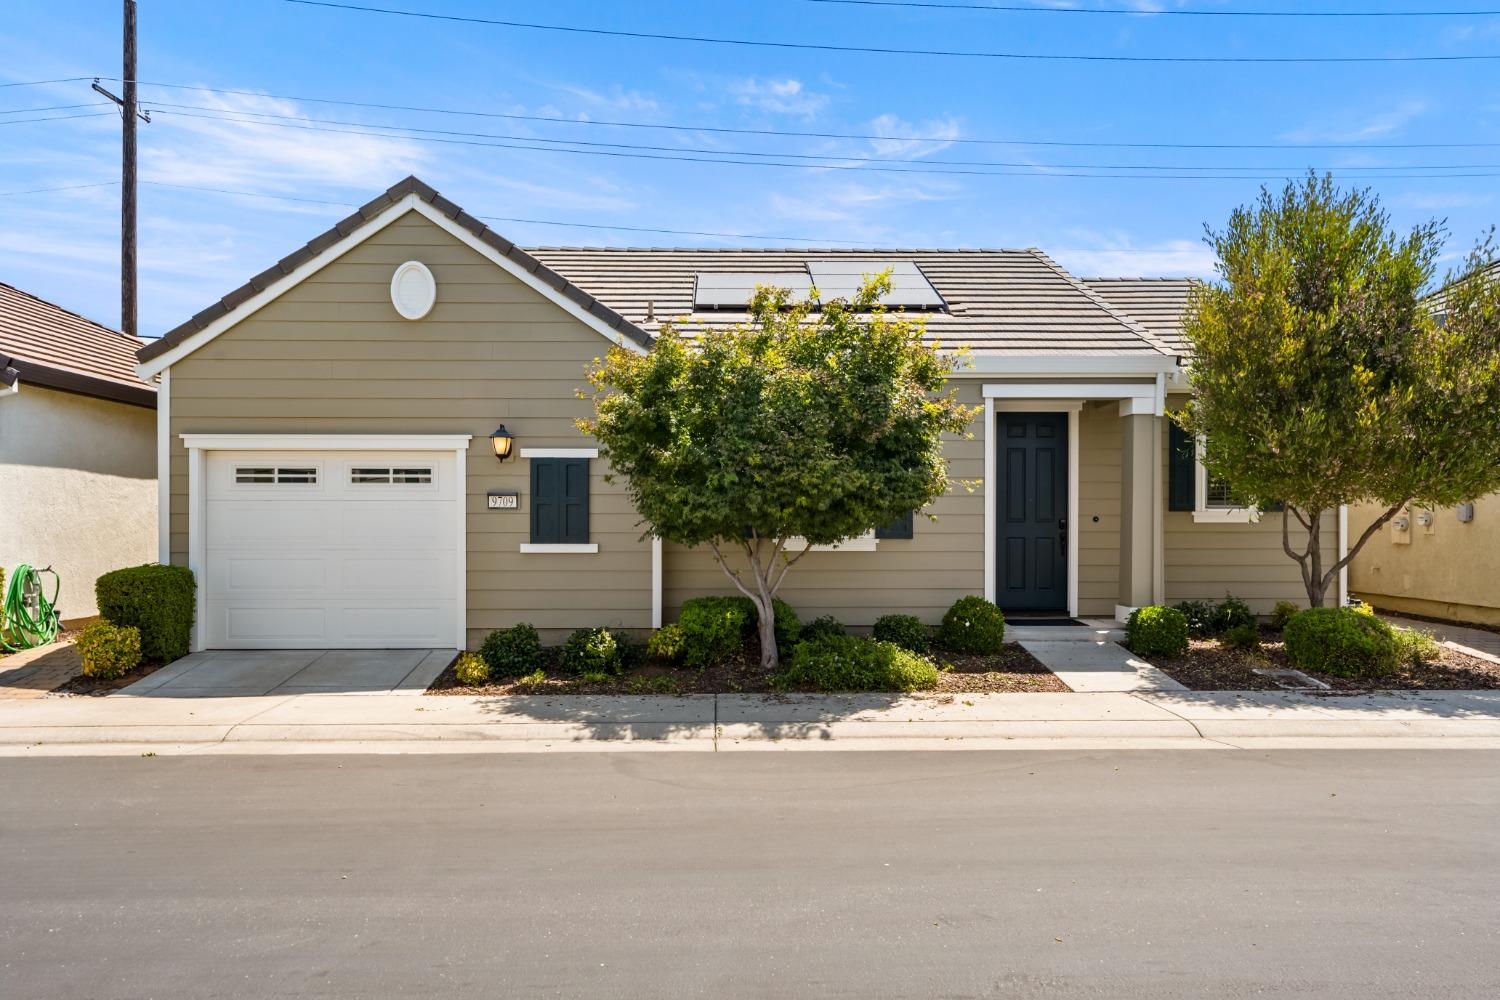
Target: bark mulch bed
(1014,669)
(1209,667)
(93,687)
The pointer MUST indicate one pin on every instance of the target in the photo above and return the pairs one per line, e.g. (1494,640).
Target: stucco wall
(77,488)
(1451,570)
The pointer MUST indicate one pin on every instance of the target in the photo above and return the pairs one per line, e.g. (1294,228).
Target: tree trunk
(770,656)
(1310,559)
(767,582)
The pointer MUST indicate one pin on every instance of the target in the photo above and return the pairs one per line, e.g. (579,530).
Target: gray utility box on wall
(1465,513)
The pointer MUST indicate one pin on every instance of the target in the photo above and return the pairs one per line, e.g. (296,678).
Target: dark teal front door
(1031,511)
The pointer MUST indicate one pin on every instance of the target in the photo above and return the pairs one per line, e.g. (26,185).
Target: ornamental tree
(810,424)
(1321,375)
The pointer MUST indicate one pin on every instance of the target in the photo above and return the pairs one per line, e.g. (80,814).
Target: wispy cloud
(1092,254)
(1347,129)
(615,99)
(925,139)
(787,96)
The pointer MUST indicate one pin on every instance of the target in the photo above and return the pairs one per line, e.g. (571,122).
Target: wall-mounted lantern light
(502,442)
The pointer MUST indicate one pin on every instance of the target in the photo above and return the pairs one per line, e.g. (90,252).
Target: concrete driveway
(243,672)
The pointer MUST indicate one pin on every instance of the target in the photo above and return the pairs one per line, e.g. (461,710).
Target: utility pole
(129,113)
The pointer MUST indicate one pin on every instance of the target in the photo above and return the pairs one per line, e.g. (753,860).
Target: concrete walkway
(1473,641)
(1089,657)
(400,723)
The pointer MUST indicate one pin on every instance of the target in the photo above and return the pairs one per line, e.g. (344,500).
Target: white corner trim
(1073,527)
(461,548)
(327,442)
(656,582)
(164,468)
(987,492)
(413,290)
(559,452)
(197,544)
(864,543)
(559,548)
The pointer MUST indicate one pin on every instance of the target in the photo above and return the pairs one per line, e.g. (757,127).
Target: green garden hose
(28,618)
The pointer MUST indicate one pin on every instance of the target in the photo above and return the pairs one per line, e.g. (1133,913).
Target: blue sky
(196,245)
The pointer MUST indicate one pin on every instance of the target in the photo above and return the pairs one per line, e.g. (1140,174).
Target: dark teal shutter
(899,528)
(560,501)
(1272,507)
(1182,469)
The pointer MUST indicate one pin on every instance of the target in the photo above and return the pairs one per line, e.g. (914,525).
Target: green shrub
(906,631)
(1200,617)
(1416,647)
(668,643)
(109,651)
(536,678)
(1232,613)
(713,628)
(850,663)
(1246,637)
(1362,608)
(595,677)
(661,684)
(972,625)
(511,652)
(159,600)
(1157,631)
(472,669)
(822,627)
(1341,641)
(1283,613)
(592,651)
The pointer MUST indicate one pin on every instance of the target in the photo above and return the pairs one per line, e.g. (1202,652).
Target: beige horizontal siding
(1099,470)
(332,356)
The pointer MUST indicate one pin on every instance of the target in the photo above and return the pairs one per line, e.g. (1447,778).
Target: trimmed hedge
(109,651)
(511,652)
(972,625)
(1341,641)
(906,631)
(592,651)
(668,643)
(471,669)
(1157,631)
(851,663)
(714,628)
(159,600)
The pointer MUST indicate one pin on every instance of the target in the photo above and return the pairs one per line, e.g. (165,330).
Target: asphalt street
(1208,874)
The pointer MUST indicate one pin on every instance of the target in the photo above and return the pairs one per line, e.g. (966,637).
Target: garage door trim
(199,444)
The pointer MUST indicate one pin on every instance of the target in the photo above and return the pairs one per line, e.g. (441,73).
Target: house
(77,448)
(329,474)
(1442,563)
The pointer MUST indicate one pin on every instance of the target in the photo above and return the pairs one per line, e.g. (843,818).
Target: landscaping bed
(83,684)
(1209,665)
(1012,669)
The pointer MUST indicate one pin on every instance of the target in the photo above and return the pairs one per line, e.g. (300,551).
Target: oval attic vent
(413,290)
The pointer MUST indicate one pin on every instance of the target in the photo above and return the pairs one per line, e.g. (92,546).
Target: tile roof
(1156,303)
(356,221)
(47,345)
(999,301)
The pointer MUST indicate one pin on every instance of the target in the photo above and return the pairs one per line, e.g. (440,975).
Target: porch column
(1139,529)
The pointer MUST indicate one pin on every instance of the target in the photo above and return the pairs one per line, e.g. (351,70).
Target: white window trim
(863,543)
(1202,512)
(559,452)
(559,548)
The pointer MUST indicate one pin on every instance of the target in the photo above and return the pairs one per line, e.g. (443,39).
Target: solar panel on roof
(841,279)
(733,289)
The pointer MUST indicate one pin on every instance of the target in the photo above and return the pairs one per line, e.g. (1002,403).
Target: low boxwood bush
(1416,647)
(906,631)
(1244,637)
(511,652)
(159,600)
(822,627)
(668,643)
(1157,631)
(1200,617)
(851,663)
(592,651)
(1232,613)
(109,651)
(972,625)
(714,628)
(472,669)
(1341,641)
(1283,612)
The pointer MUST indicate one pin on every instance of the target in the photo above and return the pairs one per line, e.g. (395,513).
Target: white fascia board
(327,442)
(1072,390)
(1031,365)
(409,203)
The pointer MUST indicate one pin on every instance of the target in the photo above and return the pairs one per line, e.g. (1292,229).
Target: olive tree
(810,424)
(1322,376)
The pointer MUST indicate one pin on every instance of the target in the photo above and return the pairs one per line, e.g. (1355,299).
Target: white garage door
(331,549)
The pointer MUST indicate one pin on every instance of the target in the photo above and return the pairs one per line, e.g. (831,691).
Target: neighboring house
(77,448)
(326,468)
(1442,563)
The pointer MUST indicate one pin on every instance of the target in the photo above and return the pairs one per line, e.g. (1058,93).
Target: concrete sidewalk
(311,723)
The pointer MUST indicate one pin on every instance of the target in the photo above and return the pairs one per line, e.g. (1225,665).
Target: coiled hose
(28,618)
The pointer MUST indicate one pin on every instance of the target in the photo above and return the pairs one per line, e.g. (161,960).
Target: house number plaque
(504,500)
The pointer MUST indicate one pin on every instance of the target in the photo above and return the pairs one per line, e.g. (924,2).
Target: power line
(69,187)
(52,107)
(792,133)
(56,118)
(885,50)
(222,113)
(1138,12)
(1040,171)
(43,83)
